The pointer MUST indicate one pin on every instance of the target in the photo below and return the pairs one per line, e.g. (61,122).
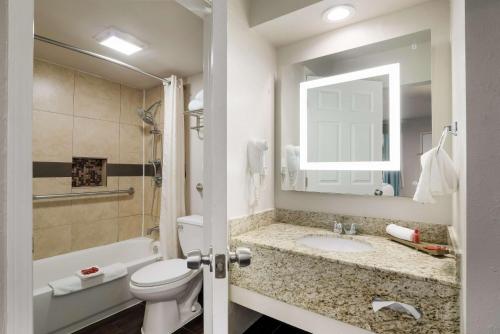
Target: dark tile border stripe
(63,169)
(51,169)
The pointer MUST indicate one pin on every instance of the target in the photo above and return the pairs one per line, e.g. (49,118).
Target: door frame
(16,97)
(216,291)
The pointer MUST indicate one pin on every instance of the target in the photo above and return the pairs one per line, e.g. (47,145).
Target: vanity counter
(386,255)
(342,285)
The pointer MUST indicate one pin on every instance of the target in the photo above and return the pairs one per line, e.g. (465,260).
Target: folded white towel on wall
(197,102)
(195,105)
(199,95)
(438,177)
(74,283)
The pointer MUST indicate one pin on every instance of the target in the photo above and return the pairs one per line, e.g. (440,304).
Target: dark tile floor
(130,322)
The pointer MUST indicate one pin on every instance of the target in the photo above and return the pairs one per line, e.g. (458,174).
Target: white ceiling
(173,34)
(307,21)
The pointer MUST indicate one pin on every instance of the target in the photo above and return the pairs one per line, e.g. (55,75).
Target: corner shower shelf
(199,117)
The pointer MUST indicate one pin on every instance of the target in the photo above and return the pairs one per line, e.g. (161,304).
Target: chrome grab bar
(129,191)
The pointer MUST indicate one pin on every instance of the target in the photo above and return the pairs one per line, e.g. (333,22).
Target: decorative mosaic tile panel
(88,172)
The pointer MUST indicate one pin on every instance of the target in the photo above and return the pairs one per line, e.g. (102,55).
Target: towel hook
(451,129)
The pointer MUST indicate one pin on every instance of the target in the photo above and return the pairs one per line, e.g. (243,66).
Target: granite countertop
(386,256)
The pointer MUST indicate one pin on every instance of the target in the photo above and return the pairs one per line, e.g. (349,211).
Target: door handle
(195,259)
(242,256)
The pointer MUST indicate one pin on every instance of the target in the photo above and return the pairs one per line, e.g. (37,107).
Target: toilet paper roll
(400,232)
(379,304)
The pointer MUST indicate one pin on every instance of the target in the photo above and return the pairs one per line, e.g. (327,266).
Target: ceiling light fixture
(119,41)
(338,13)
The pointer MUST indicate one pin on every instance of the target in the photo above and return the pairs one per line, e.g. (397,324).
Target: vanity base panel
(345,292)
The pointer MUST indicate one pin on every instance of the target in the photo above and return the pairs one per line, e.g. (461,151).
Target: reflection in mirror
(347,123)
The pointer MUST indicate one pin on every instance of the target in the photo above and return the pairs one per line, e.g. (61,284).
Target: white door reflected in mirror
(341,120)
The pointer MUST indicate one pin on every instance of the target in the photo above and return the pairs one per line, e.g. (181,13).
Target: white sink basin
(334,244)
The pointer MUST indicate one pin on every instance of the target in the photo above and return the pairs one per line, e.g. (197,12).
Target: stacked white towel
(438,176)
(74,283)
(197,102)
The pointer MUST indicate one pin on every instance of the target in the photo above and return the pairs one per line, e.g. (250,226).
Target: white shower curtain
(173,185)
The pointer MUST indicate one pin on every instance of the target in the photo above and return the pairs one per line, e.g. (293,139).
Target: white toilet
(169,288)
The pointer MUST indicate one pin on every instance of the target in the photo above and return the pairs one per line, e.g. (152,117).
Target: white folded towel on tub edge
(70,284)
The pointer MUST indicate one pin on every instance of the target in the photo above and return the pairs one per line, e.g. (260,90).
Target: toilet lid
(161,272)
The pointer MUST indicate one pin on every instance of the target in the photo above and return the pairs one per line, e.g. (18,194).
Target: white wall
(457,25)
(433,15)
(251,77)
(3,161)
(194,151)
(482,57)
(16,95)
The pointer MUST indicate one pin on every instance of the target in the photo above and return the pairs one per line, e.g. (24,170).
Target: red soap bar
(88,271)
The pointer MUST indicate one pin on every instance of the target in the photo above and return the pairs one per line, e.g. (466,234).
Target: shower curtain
(173,184)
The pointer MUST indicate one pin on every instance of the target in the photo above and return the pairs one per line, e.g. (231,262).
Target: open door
(215,256)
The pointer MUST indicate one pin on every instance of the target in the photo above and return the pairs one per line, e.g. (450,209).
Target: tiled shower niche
(88,172)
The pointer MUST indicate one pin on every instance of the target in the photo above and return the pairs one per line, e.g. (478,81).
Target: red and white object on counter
(403,233)
(89,272)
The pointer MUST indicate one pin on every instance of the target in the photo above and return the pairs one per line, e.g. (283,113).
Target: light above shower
(120,41)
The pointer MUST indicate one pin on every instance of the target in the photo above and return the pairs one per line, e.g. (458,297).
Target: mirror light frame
(394,163)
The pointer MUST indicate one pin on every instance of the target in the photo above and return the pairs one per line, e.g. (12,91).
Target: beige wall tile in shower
(50,213)
(51,185)
(84,210)
(51,241)
(131,144)
(131,100)
(96,98)
(52,137)
(53,88)
(96,139)
(129,227)
(130,205)
(94,234)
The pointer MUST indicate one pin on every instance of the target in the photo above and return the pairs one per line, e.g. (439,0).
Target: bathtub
(65,314)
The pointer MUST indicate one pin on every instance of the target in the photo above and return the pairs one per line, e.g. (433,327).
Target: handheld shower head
(148,115)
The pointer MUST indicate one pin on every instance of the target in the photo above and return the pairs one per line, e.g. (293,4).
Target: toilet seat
(161,273)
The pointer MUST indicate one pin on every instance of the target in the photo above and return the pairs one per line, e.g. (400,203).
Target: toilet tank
(190,231)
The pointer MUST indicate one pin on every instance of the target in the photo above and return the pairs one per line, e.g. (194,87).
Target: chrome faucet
(352,230)
(338,227)
(154,228)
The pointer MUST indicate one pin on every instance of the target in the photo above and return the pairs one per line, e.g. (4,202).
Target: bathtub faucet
(154,228)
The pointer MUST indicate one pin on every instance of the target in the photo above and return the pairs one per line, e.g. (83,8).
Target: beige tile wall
(77,114)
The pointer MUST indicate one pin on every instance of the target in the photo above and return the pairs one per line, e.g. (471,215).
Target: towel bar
(129,191)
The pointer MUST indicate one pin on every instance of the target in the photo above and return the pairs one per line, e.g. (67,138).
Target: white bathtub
(65,314)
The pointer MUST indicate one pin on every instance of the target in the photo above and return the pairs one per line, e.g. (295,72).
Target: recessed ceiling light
(338,13)
(119,41)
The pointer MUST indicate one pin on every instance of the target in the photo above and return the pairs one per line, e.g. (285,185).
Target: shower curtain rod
(98,56)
